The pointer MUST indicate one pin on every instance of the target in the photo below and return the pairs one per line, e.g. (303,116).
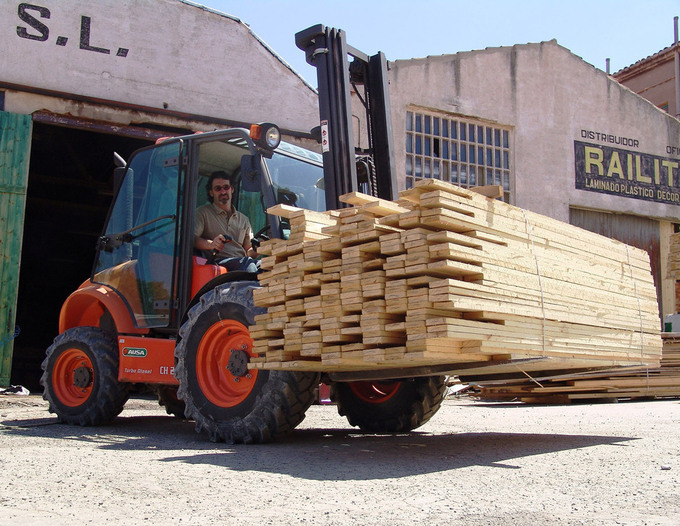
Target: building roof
(665,55)
(490,49)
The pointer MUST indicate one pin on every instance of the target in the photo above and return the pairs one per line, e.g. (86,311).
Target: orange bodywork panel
(85,307)
(202,273)
(147,360)
(123,278)
(142,359)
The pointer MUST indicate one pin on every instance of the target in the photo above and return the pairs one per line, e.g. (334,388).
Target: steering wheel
(260,236)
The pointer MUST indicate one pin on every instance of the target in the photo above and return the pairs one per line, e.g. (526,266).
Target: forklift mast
(347,168)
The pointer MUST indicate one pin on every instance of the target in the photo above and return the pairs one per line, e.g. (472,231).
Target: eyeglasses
(219,188)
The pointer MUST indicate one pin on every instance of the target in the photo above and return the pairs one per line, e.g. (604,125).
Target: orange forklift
(155,314)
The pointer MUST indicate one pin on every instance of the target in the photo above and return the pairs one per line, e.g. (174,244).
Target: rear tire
(393,406)
(231,402)
(80,377)
(167,397)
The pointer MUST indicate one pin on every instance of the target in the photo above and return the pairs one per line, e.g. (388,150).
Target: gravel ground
(474,463)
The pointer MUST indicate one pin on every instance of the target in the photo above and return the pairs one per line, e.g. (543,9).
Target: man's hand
(219,241)
(217,244)
(212,245)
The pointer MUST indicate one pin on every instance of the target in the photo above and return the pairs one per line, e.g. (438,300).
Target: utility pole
(676,52)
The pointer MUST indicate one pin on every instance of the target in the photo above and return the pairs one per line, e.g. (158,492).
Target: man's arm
(209,244)
(247,245)
(250,251)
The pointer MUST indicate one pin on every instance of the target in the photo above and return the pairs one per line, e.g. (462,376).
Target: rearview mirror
(118,171)
(250,173)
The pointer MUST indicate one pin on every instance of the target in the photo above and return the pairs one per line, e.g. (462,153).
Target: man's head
(220,188)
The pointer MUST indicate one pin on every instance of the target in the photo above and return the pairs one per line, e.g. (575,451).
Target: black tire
(390,406)
(167,397)
(80,377)
(254,406)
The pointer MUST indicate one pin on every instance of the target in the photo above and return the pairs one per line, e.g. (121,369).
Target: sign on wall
(173,55)
(617,170)
(33,25)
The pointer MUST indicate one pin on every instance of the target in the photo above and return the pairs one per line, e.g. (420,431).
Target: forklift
(156,314)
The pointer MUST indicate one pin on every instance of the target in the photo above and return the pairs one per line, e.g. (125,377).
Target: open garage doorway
(70,186)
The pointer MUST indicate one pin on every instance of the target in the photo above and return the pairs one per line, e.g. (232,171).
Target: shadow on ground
(316,454)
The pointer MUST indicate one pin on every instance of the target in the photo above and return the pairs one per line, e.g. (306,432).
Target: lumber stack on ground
(673,263)
(633,382)
(448,276)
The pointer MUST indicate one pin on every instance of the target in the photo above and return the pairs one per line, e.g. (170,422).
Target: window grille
(461,151)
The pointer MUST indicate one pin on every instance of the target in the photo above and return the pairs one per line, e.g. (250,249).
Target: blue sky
(624,31)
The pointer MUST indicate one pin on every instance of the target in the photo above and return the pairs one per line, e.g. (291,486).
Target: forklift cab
(146,253)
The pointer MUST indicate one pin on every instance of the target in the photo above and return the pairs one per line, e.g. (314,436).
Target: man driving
(221,229)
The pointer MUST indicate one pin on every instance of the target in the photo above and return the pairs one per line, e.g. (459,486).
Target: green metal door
(15,147)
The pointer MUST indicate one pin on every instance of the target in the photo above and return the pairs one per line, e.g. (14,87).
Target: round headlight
(272,137)
(266,135)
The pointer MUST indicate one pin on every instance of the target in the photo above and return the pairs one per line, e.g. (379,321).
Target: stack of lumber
(673,263)
(621,383)
(448,276)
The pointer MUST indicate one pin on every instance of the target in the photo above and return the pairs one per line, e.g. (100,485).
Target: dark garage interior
(70,186)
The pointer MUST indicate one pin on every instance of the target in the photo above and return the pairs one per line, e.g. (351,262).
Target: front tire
(231,402)
(80,377)
(392,406)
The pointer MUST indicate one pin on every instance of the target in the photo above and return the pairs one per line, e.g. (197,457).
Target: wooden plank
(378,207)
(494,191)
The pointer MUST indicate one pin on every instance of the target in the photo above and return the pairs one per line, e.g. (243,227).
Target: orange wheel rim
(73,377)
(216,381)
(374,392)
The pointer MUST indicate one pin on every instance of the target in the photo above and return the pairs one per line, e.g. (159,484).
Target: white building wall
(158,54)
(549,97)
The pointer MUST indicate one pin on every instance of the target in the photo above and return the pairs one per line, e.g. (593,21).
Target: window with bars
(461,151)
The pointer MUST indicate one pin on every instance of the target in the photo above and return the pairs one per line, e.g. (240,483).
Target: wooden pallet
(448,276)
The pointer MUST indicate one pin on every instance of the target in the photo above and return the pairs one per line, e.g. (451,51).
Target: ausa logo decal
(134,352)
